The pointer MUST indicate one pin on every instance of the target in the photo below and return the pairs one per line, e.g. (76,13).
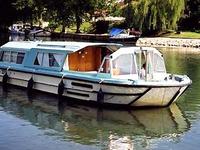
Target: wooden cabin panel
(82,59)
(98,58)
(73,60)
(88,59)
(92,58)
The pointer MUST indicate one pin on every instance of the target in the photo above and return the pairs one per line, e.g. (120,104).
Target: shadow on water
(91,126)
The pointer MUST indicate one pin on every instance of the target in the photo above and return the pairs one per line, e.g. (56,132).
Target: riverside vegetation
(148,16)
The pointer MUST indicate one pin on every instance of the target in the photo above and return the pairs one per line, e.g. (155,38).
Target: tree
(153,15)
(7,7)
(81,8)
(191,18)
(66,12)
(102,10)
(60,12)
(30,10)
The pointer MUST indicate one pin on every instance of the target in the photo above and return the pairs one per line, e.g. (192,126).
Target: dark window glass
(20,57)
(52,61)
(6,56)
(49,59)
(1,55)
(13,57)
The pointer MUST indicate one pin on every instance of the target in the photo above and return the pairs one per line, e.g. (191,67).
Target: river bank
(168,42)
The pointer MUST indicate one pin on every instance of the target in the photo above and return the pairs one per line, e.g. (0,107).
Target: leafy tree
(60,13)
(105,8)
(8,13)
(153,15)
(66,12)
(191,18)
(81,9)
(30,10)
(25,10)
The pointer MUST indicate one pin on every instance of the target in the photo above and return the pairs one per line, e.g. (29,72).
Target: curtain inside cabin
(49,59)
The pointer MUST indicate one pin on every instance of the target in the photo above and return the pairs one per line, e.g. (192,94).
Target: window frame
(37,51)
(10,51)
(102,65)
(131,70)
(155,66)
(111,73)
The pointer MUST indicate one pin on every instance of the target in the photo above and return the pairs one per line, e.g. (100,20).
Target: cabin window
(1,55)
(12,57)
(124,65)
(49,59)
(159,65)
(55,60)
(6,56)
(20,57)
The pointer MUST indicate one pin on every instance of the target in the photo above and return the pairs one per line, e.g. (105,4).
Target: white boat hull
(136,96)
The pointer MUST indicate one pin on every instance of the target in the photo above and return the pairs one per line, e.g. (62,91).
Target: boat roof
(134,49)
(70,46)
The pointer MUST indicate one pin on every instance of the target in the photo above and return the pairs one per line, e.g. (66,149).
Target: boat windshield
(159,65)
(124,65)
(144,64)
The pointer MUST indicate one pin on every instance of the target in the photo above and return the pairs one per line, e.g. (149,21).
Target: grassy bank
(84,28)
(193,35)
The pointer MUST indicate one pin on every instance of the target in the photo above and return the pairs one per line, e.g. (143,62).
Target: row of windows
(12,57)
(42,59)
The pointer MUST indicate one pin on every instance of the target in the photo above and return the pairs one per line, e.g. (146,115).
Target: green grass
(193,35)
(84,28)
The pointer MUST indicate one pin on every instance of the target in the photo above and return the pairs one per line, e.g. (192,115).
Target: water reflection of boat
(88,125)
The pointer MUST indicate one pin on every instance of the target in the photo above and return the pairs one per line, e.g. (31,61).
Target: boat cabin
(103,59)
(135,63)
(56,56)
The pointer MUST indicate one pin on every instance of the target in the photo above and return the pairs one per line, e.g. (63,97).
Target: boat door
(144,64)
(150,64)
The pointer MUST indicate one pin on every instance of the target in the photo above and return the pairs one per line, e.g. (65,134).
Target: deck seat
(116,71)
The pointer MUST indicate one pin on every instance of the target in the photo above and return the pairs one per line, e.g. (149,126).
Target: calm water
(43,122)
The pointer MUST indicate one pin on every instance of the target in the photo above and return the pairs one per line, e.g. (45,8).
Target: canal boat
(19,29)
(16,29)
(100,73)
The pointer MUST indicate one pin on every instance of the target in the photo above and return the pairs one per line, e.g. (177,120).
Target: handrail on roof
(50,45)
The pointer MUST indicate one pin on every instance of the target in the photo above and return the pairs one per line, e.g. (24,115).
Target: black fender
(30,85)
(100,96)
(5,79)
(61,87)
